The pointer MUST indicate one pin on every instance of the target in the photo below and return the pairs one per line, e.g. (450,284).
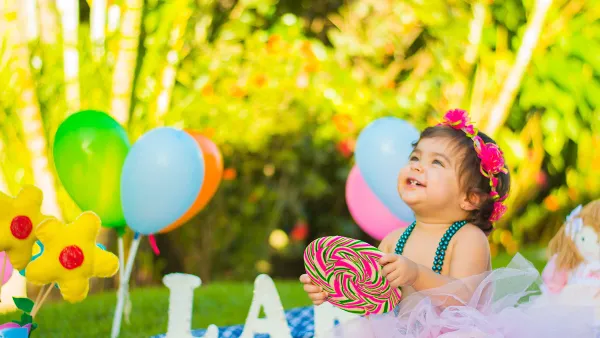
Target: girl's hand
(315,293)
(399,270)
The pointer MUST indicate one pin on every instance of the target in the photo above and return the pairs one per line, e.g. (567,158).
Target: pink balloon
(8,268)
(367,210)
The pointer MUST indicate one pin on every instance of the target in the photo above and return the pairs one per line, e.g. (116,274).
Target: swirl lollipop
(348,270)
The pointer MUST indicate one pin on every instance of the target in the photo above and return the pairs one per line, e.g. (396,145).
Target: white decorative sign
(325,317)
(181,300)
(274,323)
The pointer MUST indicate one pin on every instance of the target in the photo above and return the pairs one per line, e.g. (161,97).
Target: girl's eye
(436,162)
(414,158)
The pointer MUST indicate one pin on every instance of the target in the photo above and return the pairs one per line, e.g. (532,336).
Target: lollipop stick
(39,304)
(39,295)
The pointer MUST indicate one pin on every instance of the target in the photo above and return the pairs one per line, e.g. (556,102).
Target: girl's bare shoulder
(388,244)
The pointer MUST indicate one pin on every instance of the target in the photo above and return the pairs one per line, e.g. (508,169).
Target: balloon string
(152,241)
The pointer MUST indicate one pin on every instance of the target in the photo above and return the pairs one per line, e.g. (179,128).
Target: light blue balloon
(162,176)
(382,149)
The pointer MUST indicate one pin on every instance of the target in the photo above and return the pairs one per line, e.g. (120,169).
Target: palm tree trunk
(48,22)
(69,13)
(167,77)
(475,31)
(98,28)
(113,18)
(31,117)
(124,71)
(34,135)
(16,286)
(31,25)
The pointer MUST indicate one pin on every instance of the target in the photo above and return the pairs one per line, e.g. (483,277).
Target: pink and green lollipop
(348,270)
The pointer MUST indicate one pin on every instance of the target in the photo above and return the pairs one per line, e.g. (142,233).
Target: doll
(572,275)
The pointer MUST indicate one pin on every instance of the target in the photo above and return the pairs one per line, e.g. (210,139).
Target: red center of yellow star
(71,257)
(21,227)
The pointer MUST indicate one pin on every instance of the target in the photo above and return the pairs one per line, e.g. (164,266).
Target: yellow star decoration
(18,218)
(71,257)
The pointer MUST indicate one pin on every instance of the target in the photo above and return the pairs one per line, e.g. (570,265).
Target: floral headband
(492,159)
(574,223)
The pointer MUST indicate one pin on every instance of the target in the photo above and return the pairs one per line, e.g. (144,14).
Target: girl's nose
(416,166)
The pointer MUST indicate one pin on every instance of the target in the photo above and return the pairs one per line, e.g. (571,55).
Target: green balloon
(89,151)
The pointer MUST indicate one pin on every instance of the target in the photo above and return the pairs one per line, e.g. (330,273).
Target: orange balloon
(213,172)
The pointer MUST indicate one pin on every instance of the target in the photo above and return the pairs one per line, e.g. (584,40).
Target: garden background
(284,88)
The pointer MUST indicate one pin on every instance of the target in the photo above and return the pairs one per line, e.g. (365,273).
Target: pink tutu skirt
(502,303)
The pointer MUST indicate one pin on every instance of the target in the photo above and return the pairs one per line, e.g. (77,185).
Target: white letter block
(181,300)
(274,323)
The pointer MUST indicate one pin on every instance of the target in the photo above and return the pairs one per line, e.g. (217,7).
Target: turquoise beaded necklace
(440,253)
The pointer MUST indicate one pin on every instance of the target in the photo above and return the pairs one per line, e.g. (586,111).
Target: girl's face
(429,183)
(586,241)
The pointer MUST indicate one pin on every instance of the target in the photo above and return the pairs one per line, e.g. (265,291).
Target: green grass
(219,303)
(223,303)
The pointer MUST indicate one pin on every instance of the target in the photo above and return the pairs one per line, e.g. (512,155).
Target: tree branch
(123,74)
(475,32)
(499,112)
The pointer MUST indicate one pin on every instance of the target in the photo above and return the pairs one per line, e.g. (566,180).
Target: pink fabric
(8,268)
(593,275)
(502,305)
(554,279)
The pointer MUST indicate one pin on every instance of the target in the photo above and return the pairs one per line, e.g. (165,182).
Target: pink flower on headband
(492,159)
(469,130)
(457,119)
(499,210)
(494,182)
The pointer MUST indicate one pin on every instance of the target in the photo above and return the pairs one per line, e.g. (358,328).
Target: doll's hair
(568,256)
